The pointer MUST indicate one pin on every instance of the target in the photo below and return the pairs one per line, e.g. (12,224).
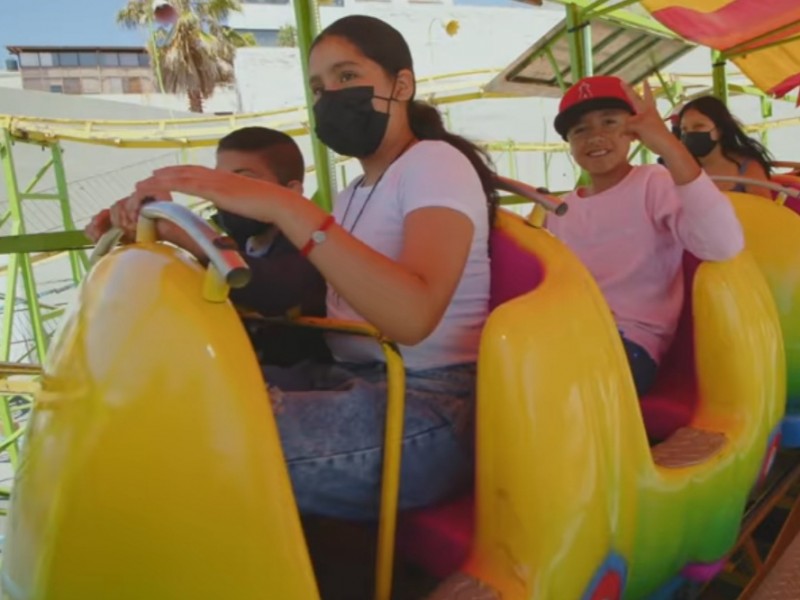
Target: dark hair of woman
(733,141)
(384,45)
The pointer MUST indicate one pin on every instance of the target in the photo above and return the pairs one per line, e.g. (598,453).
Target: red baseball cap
(590,93)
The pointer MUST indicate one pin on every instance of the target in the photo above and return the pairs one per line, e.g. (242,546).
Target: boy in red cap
(631,224)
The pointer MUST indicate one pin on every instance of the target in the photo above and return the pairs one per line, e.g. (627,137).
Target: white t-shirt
(430,173)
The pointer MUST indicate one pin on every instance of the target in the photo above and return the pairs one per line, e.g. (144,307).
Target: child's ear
(404,86)
(295,186)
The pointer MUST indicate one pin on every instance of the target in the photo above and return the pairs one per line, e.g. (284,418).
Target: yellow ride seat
(570,501)
(152,468)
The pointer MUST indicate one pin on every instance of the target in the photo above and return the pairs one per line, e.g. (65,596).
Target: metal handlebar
(219,249)
(775,187)
(786,164)
(549,202)
(104,245)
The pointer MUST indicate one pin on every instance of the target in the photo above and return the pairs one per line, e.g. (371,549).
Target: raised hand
(646,124)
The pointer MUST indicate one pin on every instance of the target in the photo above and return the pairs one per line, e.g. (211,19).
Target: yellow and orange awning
(762,37)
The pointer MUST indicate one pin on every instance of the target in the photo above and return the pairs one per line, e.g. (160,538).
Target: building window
(88,59)
(144,60)
(109,59)
(29,59)
(56,88)
(47,59)
(68,59)
(128,59)
(112,85)
(264,37)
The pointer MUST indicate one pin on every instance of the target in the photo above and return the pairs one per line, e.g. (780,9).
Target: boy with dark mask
(282,280)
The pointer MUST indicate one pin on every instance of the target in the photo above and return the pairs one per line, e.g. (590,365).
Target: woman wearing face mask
(406,250)
(716,139)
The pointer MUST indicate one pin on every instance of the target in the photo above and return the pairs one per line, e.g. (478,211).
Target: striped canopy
(734,26)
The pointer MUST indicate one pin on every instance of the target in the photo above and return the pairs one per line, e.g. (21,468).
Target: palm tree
(196,53)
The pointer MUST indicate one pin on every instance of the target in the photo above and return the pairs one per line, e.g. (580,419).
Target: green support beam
(579,35)
(79,262)
(20,245)
(591,8)
(307,18)
(18,263)
(766,113)
(575,35)
(718,75)
(33,243)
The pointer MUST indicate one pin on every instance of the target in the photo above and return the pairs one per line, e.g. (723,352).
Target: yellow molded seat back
(153,467)
(568,495)
(772,234)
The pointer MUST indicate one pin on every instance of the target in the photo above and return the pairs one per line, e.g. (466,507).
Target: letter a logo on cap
(584,91)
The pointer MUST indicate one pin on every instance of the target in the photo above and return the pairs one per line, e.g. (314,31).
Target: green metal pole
(18,262)
(9,302)
(580,54)
(9,428)
(720,79)
(575,38)
(34,310)
(512,161)
(77,258)
(307,28)
(766,113)
(9,306)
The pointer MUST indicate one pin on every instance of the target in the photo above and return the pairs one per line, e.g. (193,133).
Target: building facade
(84,70)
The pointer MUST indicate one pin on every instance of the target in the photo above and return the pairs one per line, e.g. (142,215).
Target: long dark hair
(384,45)
(733,141)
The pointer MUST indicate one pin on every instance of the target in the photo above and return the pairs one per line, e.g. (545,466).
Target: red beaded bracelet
(318,236)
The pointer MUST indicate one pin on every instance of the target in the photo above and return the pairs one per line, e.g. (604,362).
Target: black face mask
(699,143)
(348,123)
(238,227)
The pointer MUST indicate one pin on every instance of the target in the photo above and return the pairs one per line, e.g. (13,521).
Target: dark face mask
(699,143)
(238,227)
(348,123)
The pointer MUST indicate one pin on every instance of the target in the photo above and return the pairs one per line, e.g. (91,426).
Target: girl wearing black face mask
(405,250)
(716,139)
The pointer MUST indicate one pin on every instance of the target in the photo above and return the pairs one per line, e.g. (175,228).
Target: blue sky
(61,22)
(81,22)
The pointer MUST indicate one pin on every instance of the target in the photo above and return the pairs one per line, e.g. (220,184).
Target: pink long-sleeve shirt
(632,237)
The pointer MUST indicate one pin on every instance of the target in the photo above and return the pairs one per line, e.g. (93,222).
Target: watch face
(318,237)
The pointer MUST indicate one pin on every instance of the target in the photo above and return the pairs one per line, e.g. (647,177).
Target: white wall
(487,38)
(11,79)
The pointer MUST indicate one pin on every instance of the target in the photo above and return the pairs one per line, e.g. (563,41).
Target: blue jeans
(331,421)
(643,367)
